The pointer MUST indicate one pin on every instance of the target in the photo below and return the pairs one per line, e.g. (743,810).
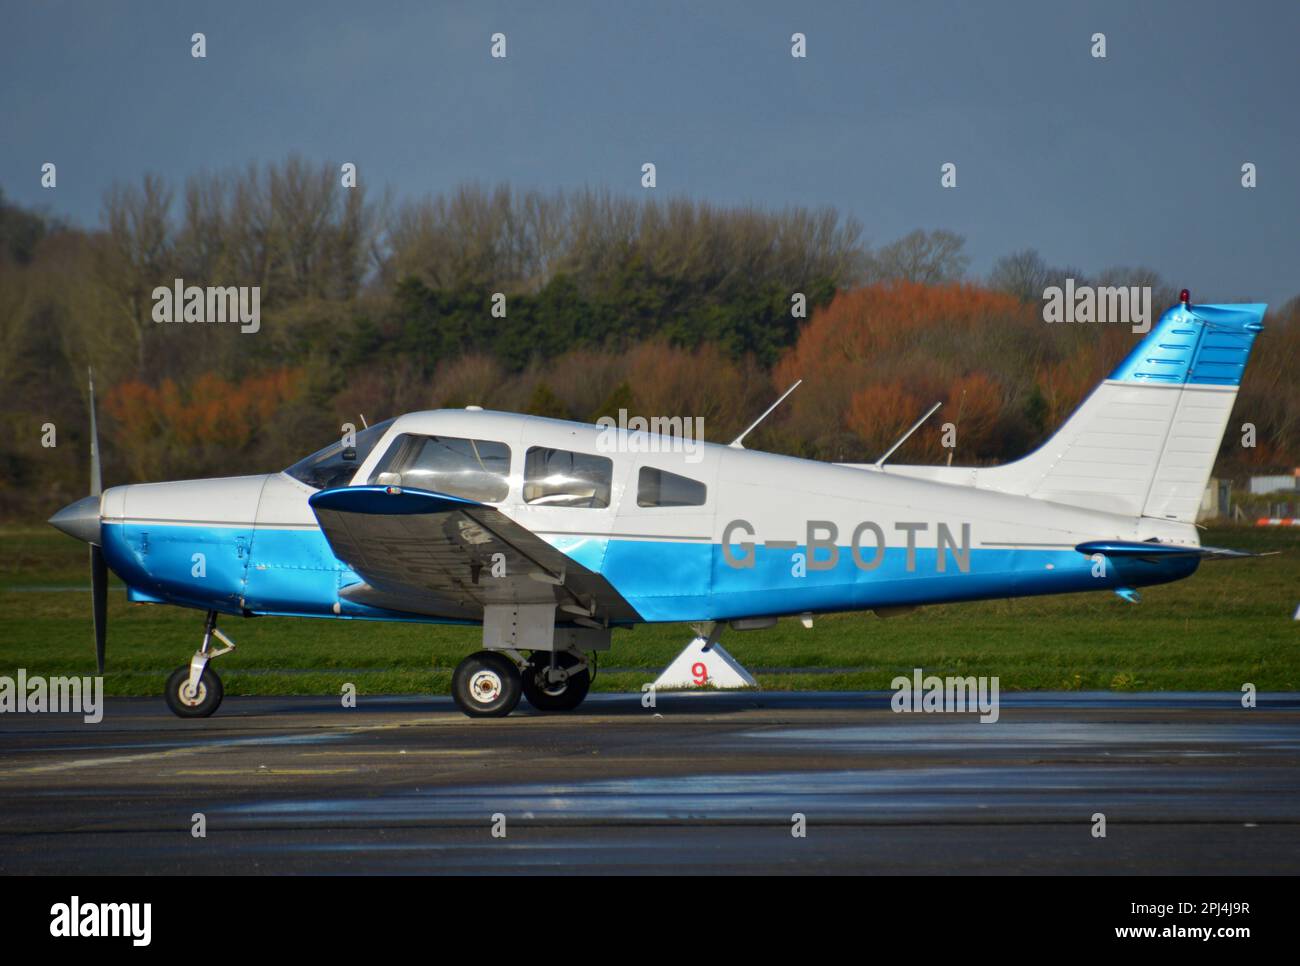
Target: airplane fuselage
(549,534)
(772,535)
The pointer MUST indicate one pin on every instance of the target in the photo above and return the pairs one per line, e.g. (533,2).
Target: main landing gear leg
(194,690)
(556,680)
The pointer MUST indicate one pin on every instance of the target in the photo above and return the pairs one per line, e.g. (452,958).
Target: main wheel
(545,696)
(486,685)
(206,698)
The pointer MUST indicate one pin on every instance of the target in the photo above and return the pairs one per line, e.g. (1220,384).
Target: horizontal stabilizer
(1150,550)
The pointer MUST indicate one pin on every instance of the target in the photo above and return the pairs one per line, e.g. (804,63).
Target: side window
(661,488)
(475,469)
(557,477)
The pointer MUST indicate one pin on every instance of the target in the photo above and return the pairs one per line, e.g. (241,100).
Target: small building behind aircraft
(1279,483)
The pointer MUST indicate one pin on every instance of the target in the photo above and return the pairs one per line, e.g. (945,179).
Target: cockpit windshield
(336,464)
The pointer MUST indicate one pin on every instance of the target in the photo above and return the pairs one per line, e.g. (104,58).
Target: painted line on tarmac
(262,770)
(332,733)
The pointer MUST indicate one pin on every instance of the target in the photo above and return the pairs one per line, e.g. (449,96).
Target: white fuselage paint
(776,495)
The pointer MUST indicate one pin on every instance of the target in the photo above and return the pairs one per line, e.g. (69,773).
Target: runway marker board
(702,665)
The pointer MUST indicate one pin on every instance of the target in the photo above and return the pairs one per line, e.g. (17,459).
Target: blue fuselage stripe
(294,573)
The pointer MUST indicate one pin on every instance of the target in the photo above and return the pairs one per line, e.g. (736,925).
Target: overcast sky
(1134,159)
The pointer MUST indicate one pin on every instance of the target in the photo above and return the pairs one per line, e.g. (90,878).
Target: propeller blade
(99,600)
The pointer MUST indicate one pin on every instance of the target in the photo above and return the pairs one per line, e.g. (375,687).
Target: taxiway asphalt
(705,782)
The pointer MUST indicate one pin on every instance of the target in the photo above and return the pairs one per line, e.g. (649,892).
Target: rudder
(1144,442)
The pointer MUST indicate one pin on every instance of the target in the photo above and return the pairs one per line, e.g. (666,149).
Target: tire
(564,697)
(209,697)
(486,685)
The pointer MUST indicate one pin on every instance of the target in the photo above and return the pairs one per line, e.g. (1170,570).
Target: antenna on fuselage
(736,444)
(364,424)
(903,439)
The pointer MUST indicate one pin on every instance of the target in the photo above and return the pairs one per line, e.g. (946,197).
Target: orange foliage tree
(167,430)
(876,357)
(880,413)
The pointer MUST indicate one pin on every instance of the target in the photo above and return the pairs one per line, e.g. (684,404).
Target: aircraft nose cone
(80,520)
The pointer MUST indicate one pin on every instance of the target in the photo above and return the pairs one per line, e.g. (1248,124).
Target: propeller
(98,567)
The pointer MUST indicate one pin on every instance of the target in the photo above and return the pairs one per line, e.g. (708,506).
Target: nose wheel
(187,702)
(486,685)
(194,690)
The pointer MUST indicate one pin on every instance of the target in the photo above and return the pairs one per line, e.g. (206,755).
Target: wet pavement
(702,783)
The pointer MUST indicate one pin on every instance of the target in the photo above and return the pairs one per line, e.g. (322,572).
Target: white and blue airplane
(551,535)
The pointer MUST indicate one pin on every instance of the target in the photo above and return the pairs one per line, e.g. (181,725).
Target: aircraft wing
(431,553)
(1150,550)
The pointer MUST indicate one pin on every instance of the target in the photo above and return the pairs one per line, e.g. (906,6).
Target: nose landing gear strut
(194,690)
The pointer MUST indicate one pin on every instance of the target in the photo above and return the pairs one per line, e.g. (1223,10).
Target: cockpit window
(336,464)
(476,469)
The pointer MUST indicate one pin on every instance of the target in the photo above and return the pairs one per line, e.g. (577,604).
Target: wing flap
(437,551)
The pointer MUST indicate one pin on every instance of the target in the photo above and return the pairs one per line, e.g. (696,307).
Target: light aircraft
(552,535)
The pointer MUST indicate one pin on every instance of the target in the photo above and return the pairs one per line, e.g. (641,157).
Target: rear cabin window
(661,488)
(557,477)
(476,469)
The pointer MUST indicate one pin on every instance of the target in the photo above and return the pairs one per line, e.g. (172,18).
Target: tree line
(568,304)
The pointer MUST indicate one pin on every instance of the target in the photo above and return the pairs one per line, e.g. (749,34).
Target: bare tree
(931,258)
(140,253)
(1023,274)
